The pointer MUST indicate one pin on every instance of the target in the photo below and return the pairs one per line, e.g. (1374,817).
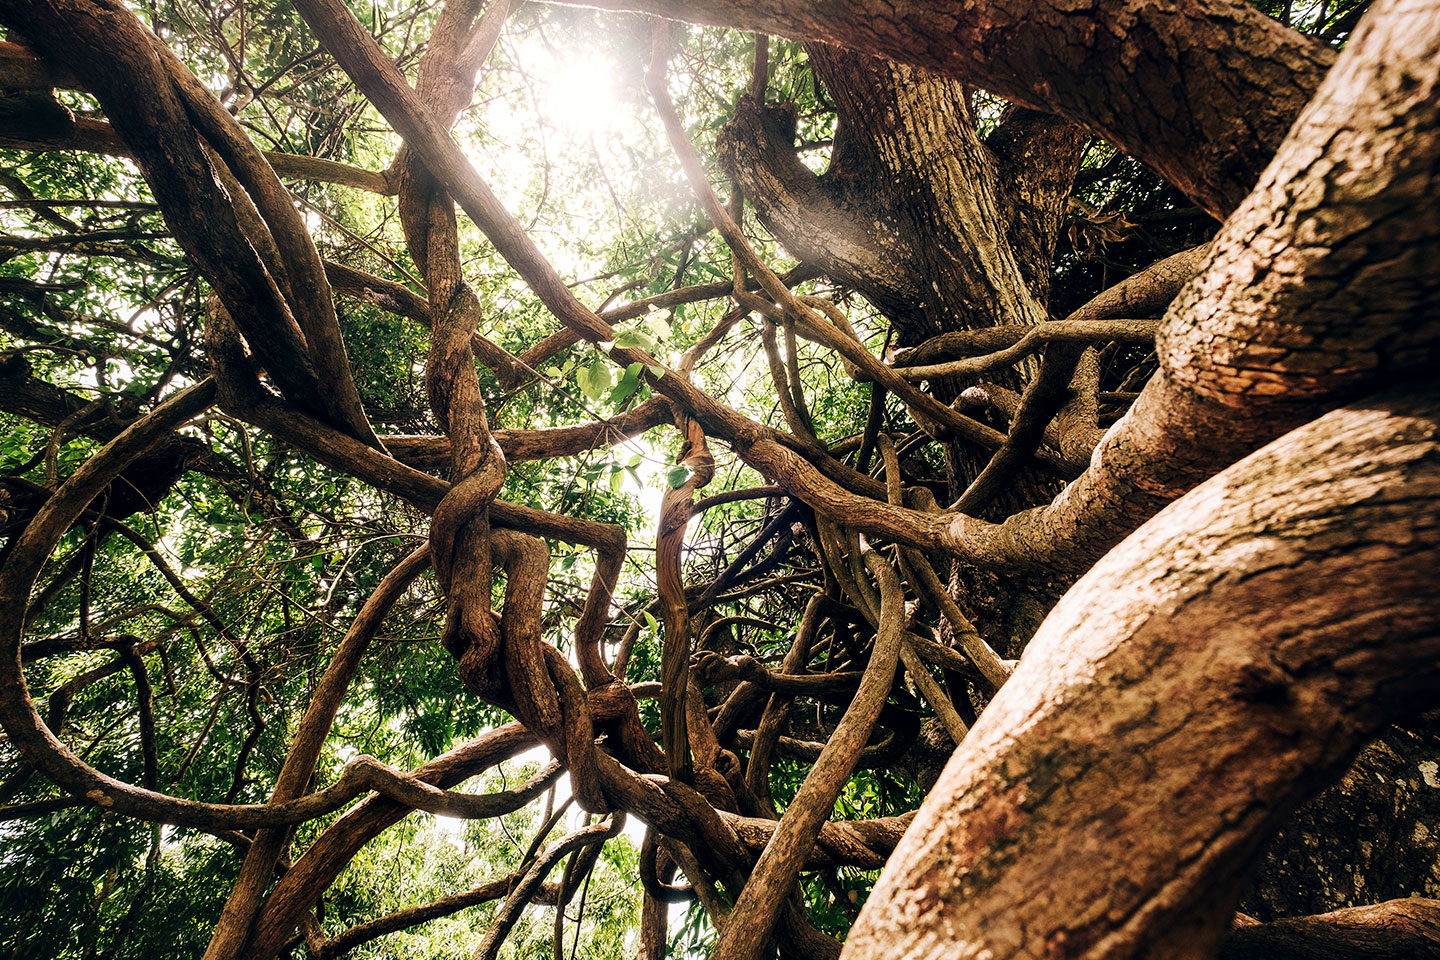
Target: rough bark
(911,212)
(1223,660)
(1179,701)
(1394,930)
(1367,838)
(1282,320)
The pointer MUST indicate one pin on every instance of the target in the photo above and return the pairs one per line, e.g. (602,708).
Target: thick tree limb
(1394,930)
(927,242)
(1180,700)
(116,56)
(313,872)
(675,510)
(1283,320)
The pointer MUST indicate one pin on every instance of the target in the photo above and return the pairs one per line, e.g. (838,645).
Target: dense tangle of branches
(998,460)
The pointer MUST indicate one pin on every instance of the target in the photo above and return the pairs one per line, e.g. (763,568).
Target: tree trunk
(910,212)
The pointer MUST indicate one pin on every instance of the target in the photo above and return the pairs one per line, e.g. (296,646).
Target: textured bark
(1395,930)
(1037,156)
(1182,698)
(818,220)
(1370,836)
(1285,348)
(911,211)
(1317,287)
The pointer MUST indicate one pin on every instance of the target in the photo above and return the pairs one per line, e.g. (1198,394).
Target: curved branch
(115,56)
(524,890)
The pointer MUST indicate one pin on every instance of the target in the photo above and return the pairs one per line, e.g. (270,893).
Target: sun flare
(580,97)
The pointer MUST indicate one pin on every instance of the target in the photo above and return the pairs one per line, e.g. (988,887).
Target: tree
(1108,536)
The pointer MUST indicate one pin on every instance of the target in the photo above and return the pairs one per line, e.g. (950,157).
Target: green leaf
(714,271)
(636,338)
(677,477)
(628,384)
(594,379)
(650,620)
